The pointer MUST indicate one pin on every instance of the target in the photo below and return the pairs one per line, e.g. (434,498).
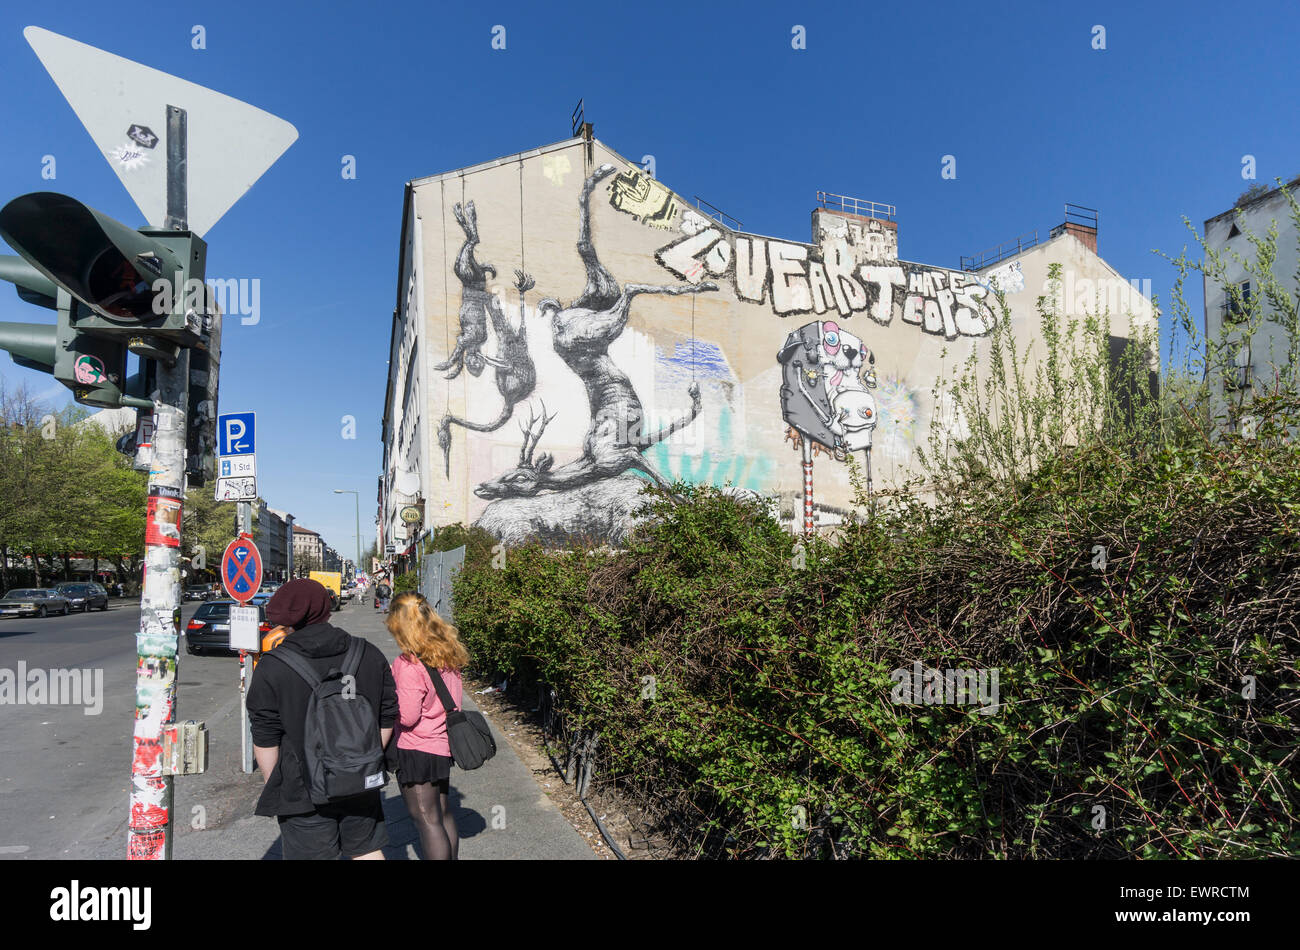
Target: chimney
(868,226)
(1082,223)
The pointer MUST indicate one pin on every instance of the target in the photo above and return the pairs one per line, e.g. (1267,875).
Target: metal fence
(859,206)
(436,576)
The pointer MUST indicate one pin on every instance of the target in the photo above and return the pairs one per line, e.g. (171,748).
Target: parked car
(83,596)
(198,592)
(209,629)
(259,599)
(33,602)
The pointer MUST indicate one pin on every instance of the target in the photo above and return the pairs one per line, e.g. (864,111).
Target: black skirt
(415,767)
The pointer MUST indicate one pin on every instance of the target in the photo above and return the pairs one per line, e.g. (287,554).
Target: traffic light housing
(93,367)
(115,289)
(146,283)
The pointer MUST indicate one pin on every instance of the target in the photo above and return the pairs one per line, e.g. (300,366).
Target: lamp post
(356,497)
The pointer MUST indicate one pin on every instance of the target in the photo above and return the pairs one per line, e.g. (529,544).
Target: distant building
(273,535)
(1252,361)
(307,547)
(567,328)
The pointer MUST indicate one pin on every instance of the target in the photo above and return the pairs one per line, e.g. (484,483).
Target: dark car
(198,592)
(83,596)
(32,602)
(209,630)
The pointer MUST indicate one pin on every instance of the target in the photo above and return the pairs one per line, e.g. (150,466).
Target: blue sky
(1150,129)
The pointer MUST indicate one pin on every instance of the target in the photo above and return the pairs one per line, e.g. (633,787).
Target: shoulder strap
(352,659)
(444,696)
(296,662)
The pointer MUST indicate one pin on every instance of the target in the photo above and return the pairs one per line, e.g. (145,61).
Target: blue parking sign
(236,432)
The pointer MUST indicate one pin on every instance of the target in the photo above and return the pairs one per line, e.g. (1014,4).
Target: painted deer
(515,373)
(581,334)
(475,301)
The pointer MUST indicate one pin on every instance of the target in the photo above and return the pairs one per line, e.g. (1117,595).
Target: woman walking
(430,646)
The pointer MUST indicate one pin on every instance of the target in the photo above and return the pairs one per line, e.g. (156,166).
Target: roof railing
(1000,252)
(717,213)
(859,206)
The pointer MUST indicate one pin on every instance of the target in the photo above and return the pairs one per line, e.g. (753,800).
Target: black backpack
(341,737)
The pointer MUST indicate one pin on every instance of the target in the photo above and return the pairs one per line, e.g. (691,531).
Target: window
(1236,305)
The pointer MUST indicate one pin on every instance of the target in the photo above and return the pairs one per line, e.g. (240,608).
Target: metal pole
(246,729)
(808,513)
(356,498)
(149,828)
(245,526)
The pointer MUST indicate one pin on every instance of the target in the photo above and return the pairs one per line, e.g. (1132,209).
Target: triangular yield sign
(123,106)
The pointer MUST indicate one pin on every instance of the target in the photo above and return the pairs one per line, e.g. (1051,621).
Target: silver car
(33,602)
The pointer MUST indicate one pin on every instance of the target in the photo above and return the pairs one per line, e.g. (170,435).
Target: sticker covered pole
(149,831)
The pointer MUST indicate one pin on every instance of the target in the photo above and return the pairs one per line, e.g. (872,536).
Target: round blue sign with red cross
(241,569)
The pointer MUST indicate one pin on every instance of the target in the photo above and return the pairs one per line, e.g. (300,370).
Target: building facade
(568,329)
(1249,360)
(308,549)
(273,535)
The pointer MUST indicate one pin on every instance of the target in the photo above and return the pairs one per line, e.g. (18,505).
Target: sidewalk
(501,811)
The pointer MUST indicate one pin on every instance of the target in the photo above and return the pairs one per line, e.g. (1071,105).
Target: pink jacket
(422,722)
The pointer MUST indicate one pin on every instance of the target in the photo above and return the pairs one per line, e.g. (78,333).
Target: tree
(208,526)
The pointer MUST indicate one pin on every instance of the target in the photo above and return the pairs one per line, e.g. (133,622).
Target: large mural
(787,356)
(577,498)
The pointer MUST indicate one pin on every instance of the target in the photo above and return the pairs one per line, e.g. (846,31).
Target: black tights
(429,809)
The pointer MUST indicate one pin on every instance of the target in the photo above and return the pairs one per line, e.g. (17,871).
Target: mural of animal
(476,304)
(581,334)
(515,373)
(825,401)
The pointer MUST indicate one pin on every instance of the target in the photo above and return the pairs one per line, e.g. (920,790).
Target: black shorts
(351,828)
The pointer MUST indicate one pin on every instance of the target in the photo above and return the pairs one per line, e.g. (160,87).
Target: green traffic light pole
(356,497)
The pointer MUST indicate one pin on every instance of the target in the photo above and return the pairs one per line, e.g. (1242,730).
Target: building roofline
(503,160)
(1291,185)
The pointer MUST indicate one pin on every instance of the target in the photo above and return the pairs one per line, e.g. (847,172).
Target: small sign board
(243,488)
(237,466)
(244,632)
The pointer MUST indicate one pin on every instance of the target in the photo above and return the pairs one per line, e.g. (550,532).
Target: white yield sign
(123,106)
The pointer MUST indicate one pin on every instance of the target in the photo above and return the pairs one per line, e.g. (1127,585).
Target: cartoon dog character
(827,373)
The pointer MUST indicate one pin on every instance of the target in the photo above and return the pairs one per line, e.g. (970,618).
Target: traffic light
(94,368)
(146,284)
(115,289)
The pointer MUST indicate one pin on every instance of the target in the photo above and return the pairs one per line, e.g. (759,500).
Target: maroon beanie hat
(299,604)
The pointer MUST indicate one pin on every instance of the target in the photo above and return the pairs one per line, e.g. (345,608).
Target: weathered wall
(664,355)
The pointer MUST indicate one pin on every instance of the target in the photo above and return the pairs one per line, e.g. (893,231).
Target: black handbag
(467,732)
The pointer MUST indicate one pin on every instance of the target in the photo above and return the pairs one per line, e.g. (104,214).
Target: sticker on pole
(241,569)
(162,526)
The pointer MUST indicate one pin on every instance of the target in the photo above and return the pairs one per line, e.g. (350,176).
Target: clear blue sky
(1152,128)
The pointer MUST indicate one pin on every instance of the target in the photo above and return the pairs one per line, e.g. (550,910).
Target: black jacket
(277,709)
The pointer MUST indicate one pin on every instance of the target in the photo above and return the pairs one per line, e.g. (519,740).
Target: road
(65,775)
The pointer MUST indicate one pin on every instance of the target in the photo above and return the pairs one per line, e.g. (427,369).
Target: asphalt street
(65,774)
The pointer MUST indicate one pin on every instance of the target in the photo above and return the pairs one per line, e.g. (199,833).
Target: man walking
(382,593)
(318,664)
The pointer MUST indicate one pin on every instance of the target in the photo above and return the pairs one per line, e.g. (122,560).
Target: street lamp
(356,497)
